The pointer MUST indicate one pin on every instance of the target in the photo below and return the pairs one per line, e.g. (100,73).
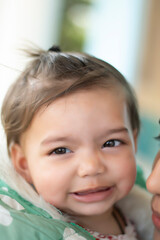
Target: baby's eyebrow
(117,130)
(52,139)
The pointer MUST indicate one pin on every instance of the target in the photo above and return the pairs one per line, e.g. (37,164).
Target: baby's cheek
(53,196)
(128,177)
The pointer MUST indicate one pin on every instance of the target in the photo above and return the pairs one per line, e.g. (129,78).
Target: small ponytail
(54,48)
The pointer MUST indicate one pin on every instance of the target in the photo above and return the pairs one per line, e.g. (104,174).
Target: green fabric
(29,207)
(33,223)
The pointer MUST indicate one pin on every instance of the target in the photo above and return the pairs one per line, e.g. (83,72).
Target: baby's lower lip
(156,219)
(93,195)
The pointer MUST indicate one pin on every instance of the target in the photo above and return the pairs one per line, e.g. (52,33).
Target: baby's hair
(53,74)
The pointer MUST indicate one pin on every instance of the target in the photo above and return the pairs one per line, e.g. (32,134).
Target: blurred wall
(22,23)
(27,21)
(115,33)
(150,69)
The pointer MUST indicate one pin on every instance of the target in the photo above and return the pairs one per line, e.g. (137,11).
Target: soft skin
(154,187)
(81,142)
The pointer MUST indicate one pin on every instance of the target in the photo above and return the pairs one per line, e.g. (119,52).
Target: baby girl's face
(79,152)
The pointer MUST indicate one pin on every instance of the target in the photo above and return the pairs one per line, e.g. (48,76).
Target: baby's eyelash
(113,143)
(59,151)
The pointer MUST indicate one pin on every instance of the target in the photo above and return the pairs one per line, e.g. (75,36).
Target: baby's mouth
(91,191)
(93,195)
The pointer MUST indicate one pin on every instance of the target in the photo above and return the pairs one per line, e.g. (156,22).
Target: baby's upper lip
(91,190)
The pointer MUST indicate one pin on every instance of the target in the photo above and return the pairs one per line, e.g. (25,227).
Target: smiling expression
(79,152)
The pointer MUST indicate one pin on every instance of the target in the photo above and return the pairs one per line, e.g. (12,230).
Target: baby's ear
(20,162)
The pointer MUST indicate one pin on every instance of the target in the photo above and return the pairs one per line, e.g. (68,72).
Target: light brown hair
(53,74)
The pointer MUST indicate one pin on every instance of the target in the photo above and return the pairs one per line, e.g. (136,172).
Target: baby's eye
(60,150)
(112,143)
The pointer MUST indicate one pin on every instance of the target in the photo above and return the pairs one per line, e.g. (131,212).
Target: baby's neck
(104,223)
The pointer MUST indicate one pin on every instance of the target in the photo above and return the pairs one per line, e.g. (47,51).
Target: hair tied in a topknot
(54,49)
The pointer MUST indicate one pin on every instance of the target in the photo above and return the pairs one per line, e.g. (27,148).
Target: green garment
(25,221)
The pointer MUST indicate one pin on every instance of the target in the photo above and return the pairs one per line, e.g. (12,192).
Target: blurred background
(125,33)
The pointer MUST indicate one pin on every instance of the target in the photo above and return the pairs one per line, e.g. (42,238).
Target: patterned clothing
(129,234)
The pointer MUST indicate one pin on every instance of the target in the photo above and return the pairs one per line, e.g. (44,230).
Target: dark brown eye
(60,150)
(112,143)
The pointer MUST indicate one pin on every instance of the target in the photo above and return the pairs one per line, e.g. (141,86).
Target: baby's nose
(91,165)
